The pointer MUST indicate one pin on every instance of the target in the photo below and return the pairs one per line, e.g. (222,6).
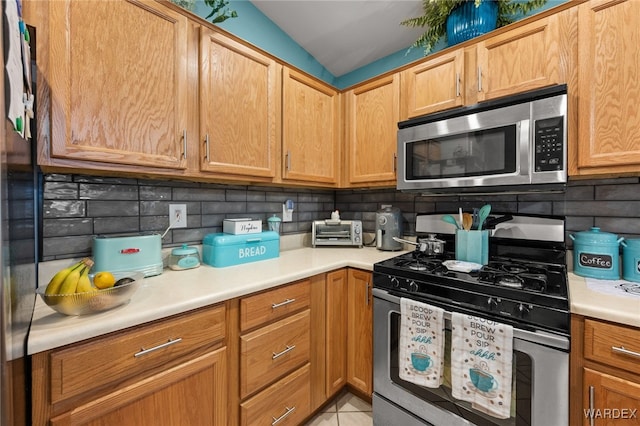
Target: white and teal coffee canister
(631,260)
(596,254)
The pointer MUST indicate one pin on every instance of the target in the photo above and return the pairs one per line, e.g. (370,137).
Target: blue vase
(468,21)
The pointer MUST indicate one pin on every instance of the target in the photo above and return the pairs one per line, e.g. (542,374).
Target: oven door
(540,379)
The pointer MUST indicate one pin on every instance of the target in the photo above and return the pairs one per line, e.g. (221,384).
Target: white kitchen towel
(481,363)
(421,343)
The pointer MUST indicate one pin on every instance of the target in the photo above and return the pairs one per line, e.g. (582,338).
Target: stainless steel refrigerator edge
(18,256)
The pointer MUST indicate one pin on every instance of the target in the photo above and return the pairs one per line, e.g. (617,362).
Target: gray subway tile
(66,227)
(100,191)
(60,191)
(116,225)
(63,208)
(103,208)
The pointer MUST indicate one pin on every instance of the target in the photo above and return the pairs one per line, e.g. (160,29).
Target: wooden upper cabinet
(433,85)
(310,129)
(239,108)
(372,112)
(525,58)
(608,87)
(118,72)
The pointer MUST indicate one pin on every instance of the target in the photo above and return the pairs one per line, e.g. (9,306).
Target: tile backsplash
(77,207)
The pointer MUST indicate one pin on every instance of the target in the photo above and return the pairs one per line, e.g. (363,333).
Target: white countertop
(599,305)
(174,292)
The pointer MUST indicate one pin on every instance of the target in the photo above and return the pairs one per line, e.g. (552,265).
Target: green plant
(219,12)
(436,12)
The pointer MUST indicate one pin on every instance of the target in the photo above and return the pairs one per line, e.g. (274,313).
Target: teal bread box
(222,250)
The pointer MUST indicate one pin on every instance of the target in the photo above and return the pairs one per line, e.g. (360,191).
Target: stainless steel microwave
(513,144)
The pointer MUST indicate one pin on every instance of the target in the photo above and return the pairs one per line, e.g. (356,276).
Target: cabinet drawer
(274,304)
(113,358)
(273,351)
(288,400)
(614,345)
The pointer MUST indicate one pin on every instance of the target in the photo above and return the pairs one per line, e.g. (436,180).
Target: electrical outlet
(178,215)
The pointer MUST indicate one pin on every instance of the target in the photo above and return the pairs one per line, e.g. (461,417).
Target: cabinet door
(192,393)
(118,73)
(360,331)
(608,87)
(610,400)
(372,115)
(310,129)
(336,340)
(433,85)
(522,59)
(239,106)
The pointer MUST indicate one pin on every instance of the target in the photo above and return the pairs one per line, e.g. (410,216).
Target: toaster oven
(330,232)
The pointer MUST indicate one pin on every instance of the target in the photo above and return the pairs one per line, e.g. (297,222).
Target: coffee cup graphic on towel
(420,360)
(482,380)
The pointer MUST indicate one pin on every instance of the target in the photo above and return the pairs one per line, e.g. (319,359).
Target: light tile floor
(345,410)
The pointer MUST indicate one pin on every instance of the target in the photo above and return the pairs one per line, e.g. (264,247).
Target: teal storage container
(222,250)
(596,254)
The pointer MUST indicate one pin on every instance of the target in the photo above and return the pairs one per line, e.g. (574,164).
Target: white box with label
(241,226)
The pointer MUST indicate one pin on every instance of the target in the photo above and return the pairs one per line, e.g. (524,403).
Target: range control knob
(413,286)
(523,309)
(394,282)
(492,303)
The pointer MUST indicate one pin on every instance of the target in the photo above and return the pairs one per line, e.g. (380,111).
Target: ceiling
(344,35)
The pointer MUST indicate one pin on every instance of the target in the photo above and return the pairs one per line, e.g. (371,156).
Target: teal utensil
(483,214)
(452,220)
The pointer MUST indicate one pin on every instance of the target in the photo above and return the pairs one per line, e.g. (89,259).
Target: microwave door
(484,157)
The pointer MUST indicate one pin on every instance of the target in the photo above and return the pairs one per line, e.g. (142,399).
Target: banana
(70,283)
(56,282)
(84,283)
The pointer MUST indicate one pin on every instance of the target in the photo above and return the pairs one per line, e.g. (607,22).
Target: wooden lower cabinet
(605,373)
(610,400)
(192,393)
(286,402)
(336,332)
(360,331)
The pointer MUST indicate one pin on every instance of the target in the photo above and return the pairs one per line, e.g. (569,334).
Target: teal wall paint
(253,26)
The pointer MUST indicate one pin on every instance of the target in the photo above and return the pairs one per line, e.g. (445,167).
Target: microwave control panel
(549,145)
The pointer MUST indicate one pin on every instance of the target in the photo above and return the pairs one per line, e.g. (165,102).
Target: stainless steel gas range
(523,285)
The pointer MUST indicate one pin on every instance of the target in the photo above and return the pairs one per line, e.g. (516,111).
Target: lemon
(104,280)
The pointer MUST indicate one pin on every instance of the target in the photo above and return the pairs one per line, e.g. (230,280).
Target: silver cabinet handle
(144,351)
(286,302)
(279,354)
(457,84)
(622,350)
(591,404)
(479,79)
(395,162)
(289,411)
(206,147)
(366,295)
(184,144)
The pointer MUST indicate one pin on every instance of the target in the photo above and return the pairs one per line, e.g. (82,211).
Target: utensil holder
(472,246)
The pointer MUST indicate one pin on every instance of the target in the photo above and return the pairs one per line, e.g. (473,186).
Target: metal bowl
(95,301)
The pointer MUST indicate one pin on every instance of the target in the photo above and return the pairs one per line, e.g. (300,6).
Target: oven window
(521,386)
(479,153)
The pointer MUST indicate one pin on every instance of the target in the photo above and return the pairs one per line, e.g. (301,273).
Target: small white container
(184,257)
(241,226)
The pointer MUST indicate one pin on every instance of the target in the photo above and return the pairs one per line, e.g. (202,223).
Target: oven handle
(539,337)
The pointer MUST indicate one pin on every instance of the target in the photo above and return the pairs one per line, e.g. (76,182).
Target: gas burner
(417,266)
(511,281)
(514,268)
